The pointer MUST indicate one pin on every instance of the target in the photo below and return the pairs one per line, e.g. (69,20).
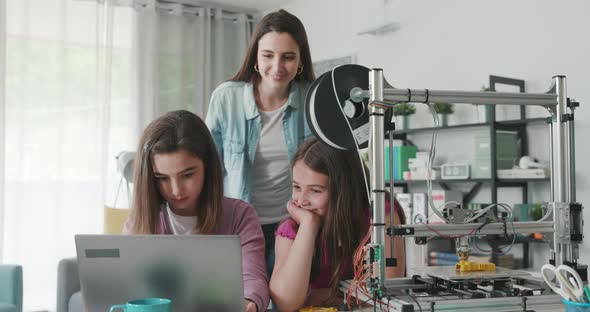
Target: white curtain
(81,80)
(60,133)
(183,52)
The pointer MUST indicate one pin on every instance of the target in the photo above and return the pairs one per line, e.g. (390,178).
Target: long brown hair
(177,130)
(347,219)
(280,21)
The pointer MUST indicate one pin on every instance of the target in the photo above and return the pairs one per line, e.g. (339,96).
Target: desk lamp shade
(125,165)
(114,218)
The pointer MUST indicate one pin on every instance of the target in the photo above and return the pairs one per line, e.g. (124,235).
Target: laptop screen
(196,272)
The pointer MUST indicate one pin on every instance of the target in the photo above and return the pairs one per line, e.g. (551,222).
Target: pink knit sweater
(239,218)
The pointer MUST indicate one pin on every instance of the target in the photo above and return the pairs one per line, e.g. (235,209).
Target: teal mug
(145,305)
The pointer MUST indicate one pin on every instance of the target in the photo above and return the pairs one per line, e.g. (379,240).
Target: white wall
(457,44)
(2,116)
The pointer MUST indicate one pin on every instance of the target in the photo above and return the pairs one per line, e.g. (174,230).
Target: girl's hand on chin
(301,215)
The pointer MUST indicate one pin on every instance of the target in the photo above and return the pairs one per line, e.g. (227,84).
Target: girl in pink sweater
(178,189)
(330,215)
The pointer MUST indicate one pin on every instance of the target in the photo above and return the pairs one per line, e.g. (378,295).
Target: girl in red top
(329,216)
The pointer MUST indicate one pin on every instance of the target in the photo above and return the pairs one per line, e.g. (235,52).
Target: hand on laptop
(250,306)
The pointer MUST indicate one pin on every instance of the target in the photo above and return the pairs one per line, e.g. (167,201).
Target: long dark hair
(177,130)
(347,219)
(280,21)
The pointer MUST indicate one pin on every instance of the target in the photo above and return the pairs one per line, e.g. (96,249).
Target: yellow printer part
(317,309)
(466,266)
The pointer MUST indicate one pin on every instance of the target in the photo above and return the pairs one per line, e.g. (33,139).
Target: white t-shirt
(181,225)
(271,180)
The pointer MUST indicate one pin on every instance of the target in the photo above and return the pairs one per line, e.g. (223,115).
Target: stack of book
(418,168)
(517,173)
(442,258)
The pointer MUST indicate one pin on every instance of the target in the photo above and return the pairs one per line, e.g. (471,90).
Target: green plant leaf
(443,108)
(403,109)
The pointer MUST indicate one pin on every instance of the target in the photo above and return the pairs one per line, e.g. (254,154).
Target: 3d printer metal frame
(421,230)
(431,294)
(566,229)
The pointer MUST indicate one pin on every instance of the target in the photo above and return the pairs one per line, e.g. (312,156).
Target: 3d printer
(349,108)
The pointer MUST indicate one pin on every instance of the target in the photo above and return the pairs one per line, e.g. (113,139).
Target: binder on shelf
(420,208)
(405,201)
(401,156)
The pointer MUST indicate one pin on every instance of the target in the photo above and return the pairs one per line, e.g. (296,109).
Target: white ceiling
(252,6)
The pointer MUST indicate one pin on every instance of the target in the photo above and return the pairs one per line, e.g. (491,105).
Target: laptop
(196,272)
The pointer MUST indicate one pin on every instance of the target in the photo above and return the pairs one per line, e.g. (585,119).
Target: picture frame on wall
(505,84)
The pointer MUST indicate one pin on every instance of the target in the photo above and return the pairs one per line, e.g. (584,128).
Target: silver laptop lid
(197,272)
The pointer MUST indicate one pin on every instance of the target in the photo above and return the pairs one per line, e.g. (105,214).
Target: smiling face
(310,189)
(278,59)
(179,176)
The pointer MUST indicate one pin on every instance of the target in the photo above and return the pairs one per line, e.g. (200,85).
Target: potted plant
(443,110)
(402,111)
(482,109)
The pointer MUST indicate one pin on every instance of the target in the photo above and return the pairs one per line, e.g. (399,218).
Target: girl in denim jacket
(257,119)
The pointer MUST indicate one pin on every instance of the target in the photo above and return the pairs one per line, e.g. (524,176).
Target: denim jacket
(234,122)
